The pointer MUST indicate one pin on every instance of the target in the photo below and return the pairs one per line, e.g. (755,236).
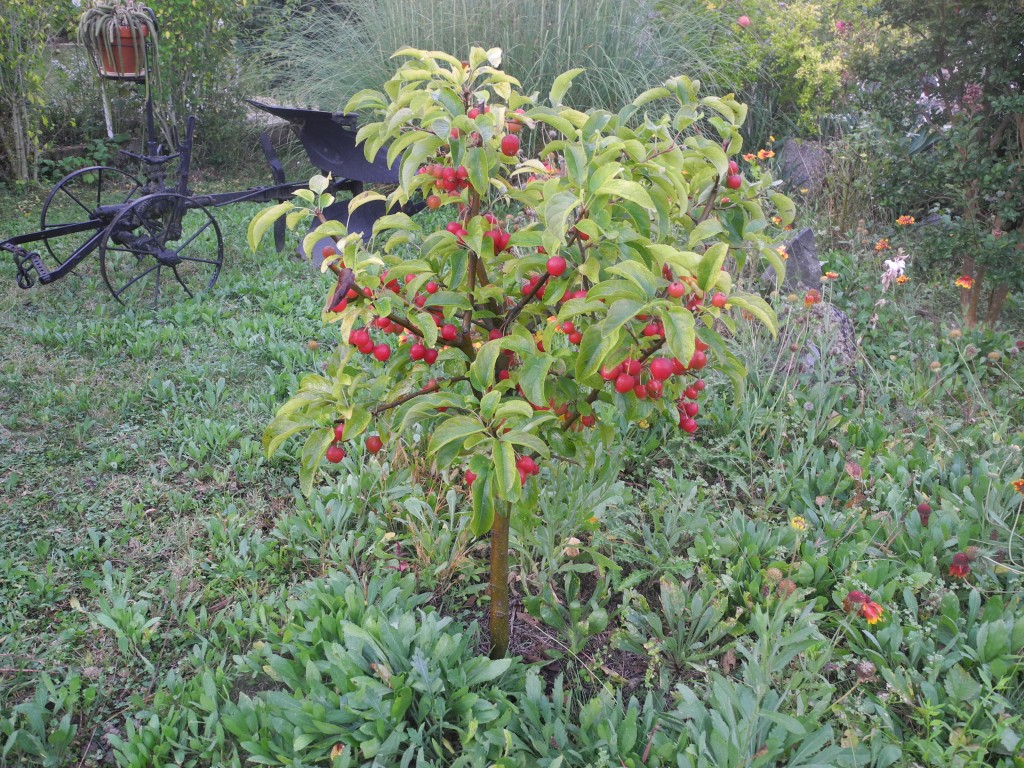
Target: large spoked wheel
(89,194)
(160,249)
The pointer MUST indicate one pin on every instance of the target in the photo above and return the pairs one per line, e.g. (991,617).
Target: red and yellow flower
(749,157)
(902,279)
(832,275)
(872,611)
(964,281)
(764,154)
(812,297)
(859,603)
(905,221)
(883,244)
(1018,485)
(961,566)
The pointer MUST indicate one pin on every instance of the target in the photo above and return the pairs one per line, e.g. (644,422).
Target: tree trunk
(974,293)
(499,618)
(995,304)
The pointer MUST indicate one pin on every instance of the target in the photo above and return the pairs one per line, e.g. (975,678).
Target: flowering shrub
(503,339)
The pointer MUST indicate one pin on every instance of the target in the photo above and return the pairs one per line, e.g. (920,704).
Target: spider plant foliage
(107,27)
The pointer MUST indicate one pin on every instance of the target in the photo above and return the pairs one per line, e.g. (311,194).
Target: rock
(803,165)
(803,268)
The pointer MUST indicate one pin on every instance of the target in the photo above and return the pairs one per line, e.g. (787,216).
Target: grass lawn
(168,597)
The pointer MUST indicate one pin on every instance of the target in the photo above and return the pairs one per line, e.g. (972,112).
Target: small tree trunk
(499,618)
(973,294)
(995,304)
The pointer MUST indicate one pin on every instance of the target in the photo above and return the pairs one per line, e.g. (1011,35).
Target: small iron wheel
(88,194)
(160,249)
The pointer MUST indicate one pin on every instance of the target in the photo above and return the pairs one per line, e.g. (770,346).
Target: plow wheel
(161,249)
(89,194)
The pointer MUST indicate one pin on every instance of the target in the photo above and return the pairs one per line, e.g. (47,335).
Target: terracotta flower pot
(121,57)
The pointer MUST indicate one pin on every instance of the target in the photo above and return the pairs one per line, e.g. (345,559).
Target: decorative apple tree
(503,338)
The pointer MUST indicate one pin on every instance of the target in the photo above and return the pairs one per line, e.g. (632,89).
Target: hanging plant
(115,32)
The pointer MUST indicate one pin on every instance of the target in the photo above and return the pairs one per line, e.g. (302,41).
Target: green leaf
(453,429)
(425,322)
(620,313)
(758,307)
(774,258)
(711,265)
(533,375)
(483,498)
(638,274)
(363,198)
(312,455)
(785,207)
(488,405)
(481,372)
(557,208)
(651,94)
(357,423)
(318,184)
(476,165)
(960,685)
(704,230)
(561,85)
(594,348)
(264,220)
(280,429)
(627,190)
(680,337)
(505,472)
(531,443)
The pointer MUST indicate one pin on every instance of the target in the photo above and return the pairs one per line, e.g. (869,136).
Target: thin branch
(518,308)
(711,200)
(412,395)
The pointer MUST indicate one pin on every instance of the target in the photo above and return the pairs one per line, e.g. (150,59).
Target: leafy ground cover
(169,598)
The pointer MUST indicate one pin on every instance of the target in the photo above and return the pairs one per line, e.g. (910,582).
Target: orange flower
(764,154)
(904,221)
(902,279)
(812,297)
(776,220)
(872,611)
(883,244)
(750,158)
(964,281)
(782,252)
(832,275)
(1018,485)
(961,566)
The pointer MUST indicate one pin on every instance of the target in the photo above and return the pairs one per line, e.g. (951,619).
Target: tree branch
(376,410)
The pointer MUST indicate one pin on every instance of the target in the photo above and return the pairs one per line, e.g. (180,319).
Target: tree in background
(25,27)
(949,75)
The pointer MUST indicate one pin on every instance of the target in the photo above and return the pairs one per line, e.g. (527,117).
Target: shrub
(515,335)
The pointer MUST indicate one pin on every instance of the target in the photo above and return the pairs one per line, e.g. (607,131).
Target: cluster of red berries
(647,381)
(360,339)
(446,179)
(683,289)
(335,453)
(688,408)
(733,179)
